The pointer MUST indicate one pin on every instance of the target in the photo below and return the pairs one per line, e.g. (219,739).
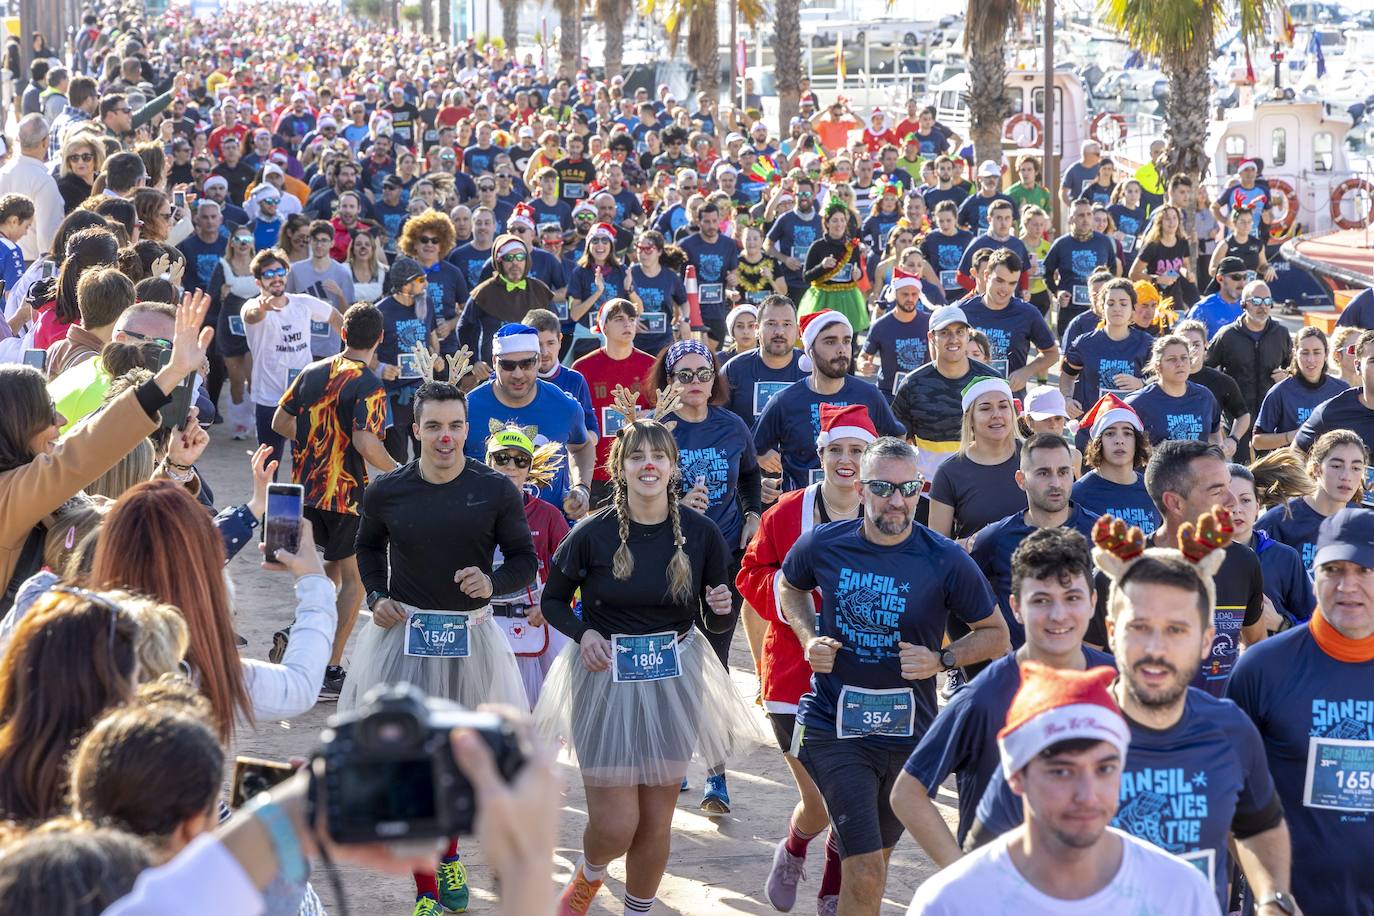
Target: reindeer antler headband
(626,402)
(1117,546)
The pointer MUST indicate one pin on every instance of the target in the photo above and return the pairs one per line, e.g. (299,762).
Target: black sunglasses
(427,240)
(162,342)
(510,365)
(883,488)
(504,458)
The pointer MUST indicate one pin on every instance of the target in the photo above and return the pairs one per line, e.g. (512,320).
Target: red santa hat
(811,327)
(522,214)
(602,231)
(901,279)
(1109,409)
(850,421)
(1054,705)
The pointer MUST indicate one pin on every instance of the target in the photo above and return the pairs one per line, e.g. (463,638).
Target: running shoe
(239,640)
(333,683)
(241,433)
(787,872)
(280,639)
(716,800)
(828,906)
(685,785)
(452,878)
(576,898)
(425,905)
(954,682)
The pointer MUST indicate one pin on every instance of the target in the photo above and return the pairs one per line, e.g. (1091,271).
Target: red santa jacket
(784,673)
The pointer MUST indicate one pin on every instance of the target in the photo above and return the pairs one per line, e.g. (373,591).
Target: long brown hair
(159,542)
(28,411)
(72,657)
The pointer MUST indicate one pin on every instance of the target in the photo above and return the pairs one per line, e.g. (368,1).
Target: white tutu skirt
(487,675)
(644,733)
(534,669)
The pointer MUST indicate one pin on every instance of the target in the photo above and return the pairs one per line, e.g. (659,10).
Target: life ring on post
(1338,195)
(1280,188)
(1119,133)
(1016,120)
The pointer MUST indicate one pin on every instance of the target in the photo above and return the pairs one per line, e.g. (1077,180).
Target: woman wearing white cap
(742,324)
(978,485)
(1045,411)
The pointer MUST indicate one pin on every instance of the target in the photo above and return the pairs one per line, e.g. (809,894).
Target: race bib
(236,326)
(1250,276)
(319,329)
(799,252)
(651,657)
(1127,242)
(898,379)
(291,376)
(712,292)
(1340,774)
(765,392)
(999,366)
(573,189)
(655,322)
(1080,295)
(862,713)
(612,421)
(437,634)
(949,279)
(409,364)
(1035,269)
(560,309)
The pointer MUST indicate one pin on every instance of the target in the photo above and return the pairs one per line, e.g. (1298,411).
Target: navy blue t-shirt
(1010,331)
(1193,415)
(944,252)
(713,261)
(1129,502)
(963,738)
(1359,312)
(1298,697)
(202,258)
(874,597)
(1181,788)
(1131,224)
(557,212)
(1289,403)
(662,294)
(753,384)
(402,326)
(900,345)
(1294,523)
(717,448)
(1344,411)
(1286,582)
(1098,360)
(792,236)
(447,292)
(1011,242)
(973,212)
(1069,262)
(468,258)
(992,549)
(783,424)
(477,160)
(580,285)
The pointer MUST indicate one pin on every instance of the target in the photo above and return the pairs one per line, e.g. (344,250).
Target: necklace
(831,511)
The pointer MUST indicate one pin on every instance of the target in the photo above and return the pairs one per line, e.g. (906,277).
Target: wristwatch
(374,597)
(947,660)
(1280,900)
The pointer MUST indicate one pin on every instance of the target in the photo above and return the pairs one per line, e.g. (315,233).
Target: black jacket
(1249,361)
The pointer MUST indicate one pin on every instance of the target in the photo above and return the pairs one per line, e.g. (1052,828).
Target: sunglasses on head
(517,257)
(272,273)
(511,365)
(502,459)
(688,376)
(883,488)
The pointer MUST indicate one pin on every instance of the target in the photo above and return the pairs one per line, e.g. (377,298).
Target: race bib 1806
(437,634)
(651,657)
(862,712)
(1340,774)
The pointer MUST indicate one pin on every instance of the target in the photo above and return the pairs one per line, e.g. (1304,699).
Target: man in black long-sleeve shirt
(442,517)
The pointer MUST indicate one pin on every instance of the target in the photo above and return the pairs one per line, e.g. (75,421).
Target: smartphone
(48,270)
(177,411)
(253,776)
(281,528)
(179,199)
(36,358)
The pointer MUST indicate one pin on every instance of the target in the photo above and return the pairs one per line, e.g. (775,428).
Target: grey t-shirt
(304,278)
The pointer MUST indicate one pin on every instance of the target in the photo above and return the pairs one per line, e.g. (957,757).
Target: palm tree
(787,60)
(985,45)
(569,37)
(510,23)
(445,20)
(703,34)
(612,15)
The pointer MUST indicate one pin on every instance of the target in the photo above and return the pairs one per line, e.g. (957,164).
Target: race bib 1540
(437,634)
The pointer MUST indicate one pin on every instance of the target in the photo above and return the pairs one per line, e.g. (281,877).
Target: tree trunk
(446,21)
(703,47)
(1186,119)
(987,97)
(510,24)
(427,17)
(613,27)
(569,38)
(787,62)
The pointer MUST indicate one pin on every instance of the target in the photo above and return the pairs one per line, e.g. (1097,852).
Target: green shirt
(913,168)
(79,391)
(1038,196)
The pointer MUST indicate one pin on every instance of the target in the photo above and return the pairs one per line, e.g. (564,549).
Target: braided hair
(648,434)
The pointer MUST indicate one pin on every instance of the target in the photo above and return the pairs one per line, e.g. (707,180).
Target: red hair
(158,541)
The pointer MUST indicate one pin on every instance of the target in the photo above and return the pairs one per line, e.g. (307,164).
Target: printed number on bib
(1127,242)
(409,364)
(999,366)
(612,421)
(712,292)
(862,713)
(655,323)
(949,279)
(651,657)
(437,634)
(573,190)
(319,329)
(898,379)
(1340,774)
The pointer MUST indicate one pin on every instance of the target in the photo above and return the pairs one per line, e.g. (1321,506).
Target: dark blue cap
(1347,535)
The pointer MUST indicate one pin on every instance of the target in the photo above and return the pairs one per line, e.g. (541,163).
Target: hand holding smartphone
(281,527)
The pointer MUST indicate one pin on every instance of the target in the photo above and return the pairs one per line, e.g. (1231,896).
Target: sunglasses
(648,247)
(517,257)
(1260,300)
(428,240)
(688,376)
(272,273)
(501,459)
(586,218)
(193,171)
(162,342)
(1236,277)
(85,157)
(883,488)
(243,239)
(115,610)
(486,187)
(511,365)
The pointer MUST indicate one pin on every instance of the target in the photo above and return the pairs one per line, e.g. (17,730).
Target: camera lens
(389,730)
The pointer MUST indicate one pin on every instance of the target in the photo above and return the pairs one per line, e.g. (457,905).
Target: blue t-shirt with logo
(1344,411)
(1192,415)
(1129,502)
(403,326)
(662,294)
(1286,582)
(1181,789)
(447,291)
(580,285)
(555,416)
(1098,360)
(1131,224)
(1010,331)
(202,257)
(1011,242)
(874,597)
(718,449)
(1289,403)
(1316,717)
(901,346)
(1070,261)
(713,261)
(792,235)
(944,253)
(792,421)
(1215,312)
(557,212)
(1294,523)
(753,384)
(468,258)
(992,549)
(963,738)
(973,212)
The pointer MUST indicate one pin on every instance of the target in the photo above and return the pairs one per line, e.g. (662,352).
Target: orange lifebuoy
(1338,195)
(1025,117)
(1277,186)
(1097,123)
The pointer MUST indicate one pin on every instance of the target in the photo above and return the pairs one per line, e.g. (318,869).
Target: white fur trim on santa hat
(509,246)
(813,329)
(1116,415)
(514,343)
(844,432)
(1062,723)
(981,387)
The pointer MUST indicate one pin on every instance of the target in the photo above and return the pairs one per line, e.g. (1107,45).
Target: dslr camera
(388,772)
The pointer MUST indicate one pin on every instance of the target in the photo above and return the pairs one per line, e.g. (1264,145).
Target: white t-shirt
(280,342)
(987,883)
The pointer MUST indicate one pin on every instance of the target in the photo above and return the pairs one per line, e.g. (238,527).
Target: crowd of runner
(1072,519)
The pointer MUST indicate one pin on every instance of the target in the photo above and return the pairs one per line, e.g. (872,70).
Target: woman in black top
(1165,258)
(640,689)
(1244,244)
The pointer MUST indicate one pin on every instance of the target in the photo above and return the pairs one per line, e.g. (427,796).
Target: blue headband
(684,347)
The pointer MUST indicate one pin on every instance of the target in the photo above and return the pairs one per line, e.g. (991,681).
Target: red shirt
(603,374)
(907,126)
(874,142)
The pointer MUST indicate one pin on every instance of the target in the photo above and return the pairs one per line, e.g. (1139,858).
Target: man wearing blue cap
(1310,691)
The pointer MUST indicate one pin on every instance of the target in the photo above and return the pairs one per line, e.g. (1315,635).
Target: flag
(1249,67)
(1316,47)
(1136,59)
(839,61)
